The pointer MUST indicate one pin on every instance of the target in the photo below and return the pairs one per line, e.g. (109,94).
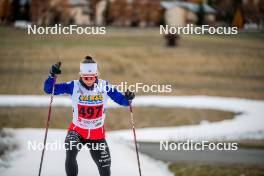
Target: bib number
(90,111)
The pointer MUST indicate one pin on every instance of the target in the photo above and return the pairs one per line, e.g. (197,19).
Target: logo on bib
(91,99)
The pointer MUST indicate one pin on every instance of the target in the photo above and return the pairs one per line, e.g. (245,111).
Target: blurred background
(133,50)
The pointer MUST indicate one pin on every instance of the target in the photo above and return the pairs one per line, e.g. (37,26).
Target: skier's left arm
(118,97)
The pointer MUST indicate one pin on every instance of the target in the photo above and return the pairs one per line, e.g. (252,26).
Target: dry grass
(210,65)
(181,169)
(116,118)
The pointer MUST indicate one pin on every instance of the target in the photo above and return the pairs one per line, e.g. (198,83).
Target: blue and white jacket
(88,104)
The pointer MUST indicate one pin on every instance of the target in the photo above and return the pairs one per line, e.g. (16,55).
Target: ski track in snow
(248,123)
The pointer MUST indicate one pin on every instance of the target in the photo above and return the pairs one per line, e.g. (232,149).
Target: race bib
(90,111)
(89,116)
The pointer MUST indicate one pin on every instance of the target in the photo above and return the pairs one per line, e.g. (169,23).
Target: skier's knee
(72,141)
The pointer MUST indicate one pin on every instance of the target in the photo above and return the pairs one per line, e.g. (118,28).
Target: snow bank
(247,124)
(7,146)
(39,101)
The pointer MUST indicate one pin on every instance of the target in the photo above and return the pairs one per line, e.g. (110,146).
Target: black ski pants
(98,149)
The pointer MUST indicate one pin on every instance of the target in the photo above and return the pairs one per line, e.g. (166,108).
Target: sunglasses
(89,77)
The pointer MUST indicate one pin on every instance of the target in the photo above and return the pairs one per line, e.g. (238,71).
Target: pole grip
(59,64)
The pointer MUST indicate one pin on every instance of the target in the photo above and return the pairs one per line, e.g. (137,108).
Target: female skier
(89,96)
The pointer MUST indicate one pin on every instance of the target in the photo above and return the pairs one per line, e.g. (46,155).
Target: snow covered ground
(25,162)
(247,124)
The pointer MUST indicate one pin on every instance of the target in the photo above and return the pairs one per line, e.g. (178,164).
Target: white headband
(88,68)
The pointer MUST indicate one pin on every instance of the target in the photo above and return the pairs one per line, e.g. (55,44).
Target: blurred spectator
(5,11)
(172,40)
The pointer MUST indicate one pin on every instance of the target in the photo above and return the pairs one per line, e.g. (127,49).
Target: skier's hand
(55,69)
(129,95)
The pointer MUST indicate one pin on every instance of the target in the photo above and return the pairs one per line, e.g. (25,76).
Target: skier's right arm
(62,88)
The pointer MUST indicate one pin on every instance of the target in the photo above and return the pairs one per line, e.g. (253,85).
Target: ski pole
(135,137)
(48,122)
